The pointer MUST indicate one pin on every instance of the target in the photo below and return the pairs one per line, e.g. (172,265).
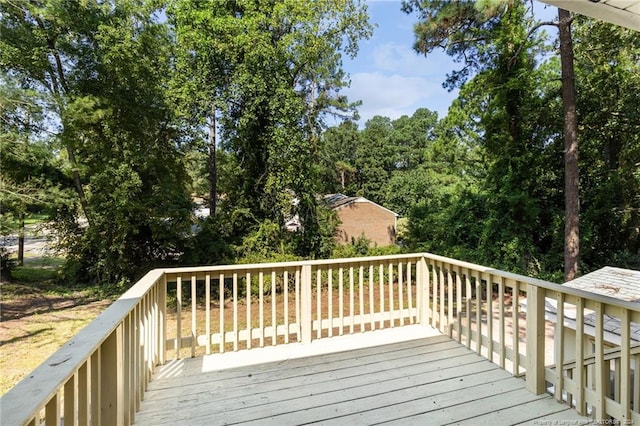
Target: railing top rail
(632,306)
(286,265)
(24,400)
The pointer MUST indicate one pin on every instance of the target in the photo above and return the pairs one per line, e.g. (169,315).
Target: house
(359,216)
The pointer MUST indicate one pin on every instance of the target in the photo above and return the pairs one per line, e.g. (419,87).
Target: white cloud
(399,58)
(394,95)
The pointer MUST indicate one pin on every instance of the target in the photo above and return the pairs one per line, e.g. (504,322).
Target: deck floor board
(431,380)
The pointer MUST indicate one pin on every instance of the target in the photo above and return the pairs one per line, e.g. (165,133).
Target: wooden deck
(426,381)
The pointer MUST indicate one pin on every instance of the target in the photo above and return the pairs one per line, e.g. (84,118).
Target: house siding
(363,217)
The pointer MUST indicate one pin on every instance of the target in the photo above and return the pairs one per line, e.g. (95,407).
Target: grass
(36,219)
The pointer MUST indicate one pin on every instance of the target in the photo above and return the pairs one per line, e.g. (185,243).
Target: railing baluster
(458,305)
(207,311)
(450,288)
(341,300)
(285,290)
(178,342)
(468,299)
(361,296)
(194,332)
(298,303)
(624,368)
(129,383)
(236,333)
(223,342)
(249,303)
(391,304)
(83,394)
(435,310)
(579,376)
(96,387)
(52,411)
(478,313)
(381,282)
(261,306)
(371,298)
(441,285)
(412,319)
(319,302)
(602,375)
(330,300)
(489,281)
(351,300)
(559,344)
(162,332)
(501,323)
(515,306)
(400,292)
(71,401)
(274,324)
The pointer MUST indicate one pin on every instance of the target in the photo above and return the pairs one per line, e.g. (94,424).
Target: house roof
(623,284)
(337,201)
(625,13)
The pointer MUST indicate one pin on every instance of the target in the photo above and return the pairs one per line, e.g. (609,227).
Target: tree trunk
(78,184)
(21,239)
(571,188)
(213,170)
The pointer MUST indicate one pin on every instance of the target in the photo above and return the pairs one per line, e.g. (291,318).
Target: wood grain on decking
(427,381)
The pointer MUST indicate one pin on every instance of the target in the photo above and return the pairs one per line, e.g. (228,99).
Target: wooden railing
(100,376)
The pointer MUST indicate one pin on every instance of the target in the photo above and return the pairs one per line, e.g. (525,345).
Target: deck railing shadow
(100,376)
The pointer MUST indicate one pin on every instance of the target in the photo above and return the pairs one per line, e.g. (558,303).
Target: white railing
(100,376)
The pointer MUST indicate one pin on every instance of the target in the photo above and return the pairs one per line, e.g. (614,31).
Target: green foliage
(100,72)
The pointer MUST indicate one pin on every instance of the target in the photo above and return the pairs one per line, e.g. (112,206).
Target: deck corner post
(423,291)
(535,339)
(306,303)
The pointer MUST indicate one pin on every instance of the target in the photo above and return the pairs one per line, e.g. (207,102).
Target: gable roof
(337,201)
(625,13)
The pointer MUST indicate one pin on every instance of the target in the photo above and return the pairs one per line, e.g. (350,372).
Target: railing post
(535,339)
(112,379)
(423,291)
(305,303)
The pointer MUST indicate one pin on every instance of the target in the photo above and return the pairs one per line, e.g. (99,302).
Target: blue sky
(389,77)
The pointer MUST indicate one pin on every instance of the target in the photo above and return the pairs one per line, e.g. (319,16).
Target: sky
(389,77)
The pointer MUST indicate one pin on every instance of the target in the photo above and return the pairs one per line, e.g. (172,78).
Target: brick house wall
(363,216)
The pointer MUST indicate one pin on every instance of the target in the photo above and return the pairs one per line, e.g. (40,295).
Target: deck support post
(305,303)
(112,379)
(423,291)
(535,339)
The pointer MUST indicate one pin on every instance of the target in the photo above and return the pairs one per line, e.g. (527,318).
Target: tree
(338,171)
(375,158)
(571,172)
(469,31)
(274,69)
(101,71)
(608,74)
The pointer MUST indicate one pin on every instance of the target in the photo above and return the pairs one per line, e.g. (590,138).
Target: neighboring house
(359,216)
